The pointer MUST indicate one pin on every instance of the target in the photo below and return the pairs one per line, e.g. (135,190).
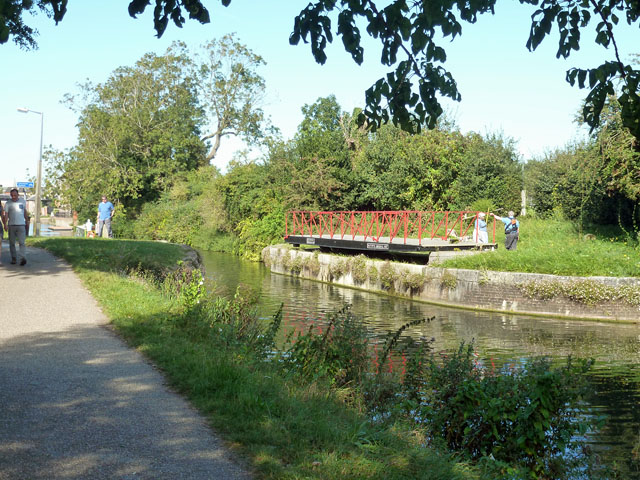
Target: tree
(409,33)
(12,24)
(567,181)
(619,152)
(399,171)
(54,163)
(231,92)
(618,155)
(138,131)
(489,170)
(313,170)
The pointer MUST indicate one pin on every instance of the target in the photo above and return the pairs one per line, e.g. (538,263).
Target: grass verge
(284,427)
(556,247)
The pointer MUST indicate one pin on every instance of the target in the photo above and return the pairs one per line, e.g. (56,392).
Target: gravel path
(76,402)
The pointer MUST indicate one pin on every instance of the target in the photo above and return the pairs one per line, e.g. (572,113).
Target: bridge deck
(359,242)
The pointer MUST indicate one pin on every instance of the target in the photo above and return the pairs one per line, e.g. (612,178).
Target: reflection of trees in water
(616,394)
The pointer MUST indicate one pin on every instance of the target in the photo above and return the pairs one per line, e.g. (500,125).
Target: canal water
(614,382)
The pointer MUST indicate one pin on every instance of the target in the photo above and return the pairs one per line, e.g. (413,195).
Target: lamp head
(23,110)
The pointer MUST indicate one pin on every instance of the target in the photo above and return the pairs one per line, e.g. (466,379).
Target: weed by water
(448,280)
(586,292)
(413,282)
(358,268)
(372,272)
(338,267)
(388,276)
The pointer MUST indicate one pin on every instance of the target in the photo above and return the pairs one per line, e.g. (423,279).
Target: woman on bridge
(480,234)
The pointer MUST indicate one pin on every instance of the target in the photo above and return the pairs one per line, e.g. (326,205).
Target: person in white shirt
(480,234)
(3,227)
(16,217)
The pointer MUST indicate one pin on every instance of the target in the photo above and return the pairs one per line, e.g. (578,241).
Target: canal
(614,382)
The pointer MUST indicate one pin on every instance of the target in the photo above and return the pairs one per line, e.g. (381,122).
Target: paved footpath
(76,402)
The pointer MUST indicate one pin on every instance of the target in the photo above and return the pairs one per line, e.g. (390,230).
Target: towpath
(76,402)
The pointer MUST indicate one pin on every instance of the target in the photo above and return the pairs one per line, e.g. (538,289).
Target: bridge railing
(387,225)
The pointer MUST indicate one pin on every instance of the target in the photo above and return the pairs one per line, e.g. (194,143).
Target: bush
(337,268)
(413,281)
(516,422)
(388,276)
(448,280)
(525,416)
(339,353)
(358,267)
(253,234)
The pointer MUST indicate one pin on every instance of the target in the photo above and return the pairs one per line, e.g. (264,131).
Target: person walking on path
(511,230)
(3,227)
(16,217)
(105,213)
(77,403)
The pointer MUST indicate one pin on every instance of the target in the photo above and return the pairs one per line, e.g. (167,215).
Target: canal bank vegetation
(317,402)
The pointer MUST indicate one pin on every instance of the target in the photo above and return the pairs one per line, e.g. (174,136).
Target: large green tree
(619,153)
(136,132)
(399,171)
(489,169)
(232,93)
(313,170)
(411,34)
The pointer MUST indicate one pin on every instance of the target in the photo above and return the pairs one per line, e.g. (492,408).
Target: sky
(505,88)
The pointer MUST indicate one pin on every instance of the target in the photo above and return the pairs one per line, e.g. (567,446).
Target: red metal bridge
(400,231)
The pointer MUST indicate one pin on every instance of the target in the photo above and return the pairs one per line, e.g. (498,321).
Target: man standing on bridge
(511,230)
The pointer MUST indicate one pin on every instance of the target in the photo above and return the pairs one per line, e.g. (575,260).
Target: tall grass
(556,247)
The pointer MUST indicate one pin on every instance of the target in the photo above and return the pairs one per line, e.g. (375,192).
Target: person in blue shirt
(105,213)
(511,230)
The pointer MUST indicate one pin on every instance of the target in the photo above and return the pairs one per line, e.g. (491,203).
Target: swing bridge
(388,231)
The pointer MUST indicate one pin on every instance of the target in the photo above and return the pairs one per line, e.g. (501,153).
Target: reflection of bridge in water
(387,231)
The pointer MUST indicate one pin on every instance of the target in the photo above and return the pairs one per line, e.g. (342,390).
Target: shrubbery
(522,418)
(517,421)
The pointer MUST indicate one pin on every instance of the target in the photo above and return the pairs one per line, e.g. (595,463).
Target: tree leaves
(137,131)
(166,10)
(232,92)
(601,82)
(406,31)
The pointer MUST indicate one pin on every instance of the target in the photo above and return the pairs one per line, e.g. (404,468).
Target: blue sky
(504,87)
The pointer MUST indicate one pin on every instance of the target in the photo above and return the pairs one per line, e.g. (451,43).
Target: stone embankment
(597,298)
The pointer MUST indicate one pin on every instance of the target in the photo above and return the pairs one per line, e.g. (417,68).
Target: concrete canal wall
(597,298)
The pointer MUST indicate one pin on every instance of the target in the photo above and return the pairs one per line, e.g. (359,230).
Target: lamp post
(39,176)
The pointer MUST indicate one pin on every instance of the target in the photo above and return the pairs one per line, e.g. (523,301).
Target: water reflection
(504,338)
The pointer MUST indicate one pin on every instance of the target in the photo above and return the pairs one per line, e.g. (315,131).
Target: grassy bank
(557,247)
(286,428)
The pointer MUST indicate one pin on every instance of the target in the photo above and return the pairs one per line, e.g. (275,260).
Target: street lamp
(39,177)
